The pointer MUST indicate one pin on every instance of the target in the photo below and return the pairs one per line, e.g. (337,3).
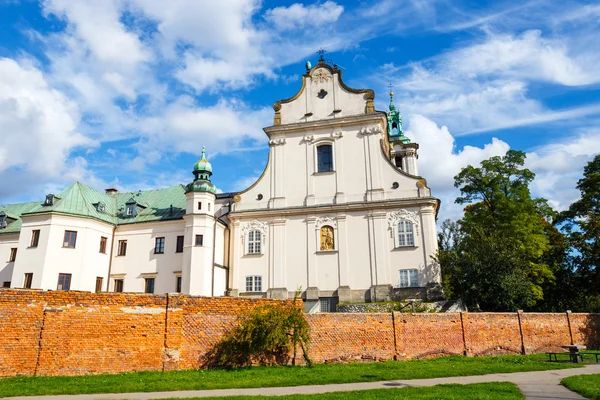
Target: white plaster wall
(140,258)
(32,259)
(7,242)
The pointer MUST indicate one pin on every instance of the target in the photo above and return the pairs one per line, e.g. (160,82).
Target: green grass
(586,385)
(274,376)
(479,391)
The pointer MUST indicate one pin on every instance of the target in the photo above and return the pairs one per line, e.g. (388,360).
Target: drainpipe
(112,248)
(212,285)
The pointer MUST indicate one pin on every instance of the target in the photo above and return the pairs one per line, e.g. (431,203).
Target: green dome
(203,165)
(201,186)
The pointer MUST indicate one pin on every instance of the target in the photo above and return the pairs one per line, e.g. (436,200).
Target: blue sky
(125,93)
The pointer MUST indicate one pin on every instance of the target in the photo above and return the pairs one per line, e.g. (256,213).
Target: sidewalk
(538,385)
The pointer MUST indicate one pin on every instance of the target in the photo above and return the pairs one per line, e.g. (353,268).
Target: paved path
(539,385)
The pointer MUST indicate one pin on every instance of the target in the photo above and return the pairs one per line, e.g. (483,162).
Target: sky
(124,93)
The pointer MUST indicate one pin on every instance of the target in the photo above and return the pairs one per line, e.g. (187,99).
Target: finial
(321,54)
(308,65)
(203,151)
(391,91)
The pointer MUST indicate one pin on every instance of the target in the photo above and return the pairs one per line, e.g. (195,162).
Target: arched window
(324,158)
(254,241)
(327,238)
(398,161)
(404,234)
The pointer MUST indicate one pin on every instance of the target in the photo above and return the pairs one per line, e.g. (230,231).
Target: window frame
(67,243)
(13,254)
(148,280)
(405,234)
(179,244)
(412,278)
(255,282)
(35,238)
(118,287)
(99,281)
(6,284)
(122,248)
(178,282)
(66,278)
(317,163)
(28,280)
(103,242)
(254,241)
(159,248)
(201,237)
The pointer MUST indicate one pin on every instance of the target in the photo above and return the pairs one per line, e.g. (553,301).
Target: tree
(495,257)
(582,224)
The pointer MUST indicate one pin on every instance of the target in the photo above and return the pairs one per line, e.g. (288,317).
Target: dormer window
(131,208)
(3,222)
(101,207)
(49,200)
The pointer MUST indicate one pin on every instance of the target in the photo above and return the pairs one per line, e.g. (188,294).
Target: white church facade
(340,214)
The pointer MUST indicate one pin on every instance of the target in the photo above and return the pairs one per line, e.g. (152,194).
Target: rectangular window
(13,255)
(122,248)
(208,206)
(149,285)
(324,305)
(178,284)
(254,241)
(6,284)
(159,247)
(179,247)
(99,284)
(409,278)
(199,240)
(324,158)
(254,283)
(70,239)
(64,282)
(103,241)
(28,280)
(119,285)
(35,238)
(199,205)
(405,234)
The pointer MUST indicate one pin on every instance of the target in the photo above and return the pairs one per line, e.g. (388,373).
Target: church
(339,214)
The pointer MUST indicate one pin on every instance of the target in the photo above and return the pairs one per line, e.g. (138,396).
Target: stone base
(312,293)
(380,293)
(232,293)
(278,293)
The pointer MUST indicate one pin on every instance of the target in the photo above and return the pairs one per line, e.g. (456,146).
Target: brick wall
(73,333)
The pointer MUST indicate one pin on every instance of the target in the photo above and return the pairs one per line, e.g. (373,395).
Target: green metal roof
(82,200)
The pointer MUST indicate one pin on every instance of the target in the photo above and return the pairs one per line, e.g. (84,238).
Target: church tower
(403,152)
(199,239)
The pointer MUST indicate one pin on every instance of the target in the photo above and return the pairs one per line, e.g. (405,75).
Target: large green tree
(493,258)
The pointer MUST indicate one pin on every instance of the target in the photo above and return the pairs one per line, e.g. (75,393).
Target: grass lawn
(586,385)
(275,376)
(479,391)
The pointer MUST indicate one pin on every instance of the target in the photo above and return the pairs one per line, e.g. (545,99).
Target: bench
(596,355)
(572,356)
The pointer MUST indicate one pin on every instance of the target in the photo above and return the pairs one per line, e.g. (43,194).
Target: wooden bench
(596,355)
(572,356)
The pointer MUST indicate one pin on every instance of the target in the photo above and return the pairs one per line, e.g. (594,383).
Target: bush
(269,335)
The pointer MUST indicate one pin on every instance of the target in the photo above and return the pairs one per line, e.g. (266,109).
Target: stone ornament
(309,138)
(375,130)
(254,226)
(337,135)
(326,220)
(277,142)
(326,240)
(321,76)
(400,215)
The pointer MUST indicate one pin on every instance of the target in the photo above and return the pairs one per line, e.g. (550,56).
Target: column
(279,289)
(340,197)
(312,289)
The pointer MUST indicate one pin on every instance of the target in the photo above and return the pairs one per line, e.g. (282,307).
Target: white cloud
(298,16)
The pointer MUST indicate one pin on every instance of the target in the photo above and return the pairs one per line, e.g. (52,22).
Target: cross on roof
(321,53)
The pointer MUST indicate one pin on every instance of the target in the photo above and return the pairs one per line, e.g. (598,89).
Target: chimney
(110,191)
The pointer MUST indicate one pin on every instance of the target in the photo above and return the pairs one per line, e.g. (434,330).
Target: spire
(395,131)
(202,173)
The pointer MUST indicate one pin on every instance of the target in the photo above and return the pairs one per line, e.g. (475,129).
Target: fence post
(569,324)
(394,333)
(519,313)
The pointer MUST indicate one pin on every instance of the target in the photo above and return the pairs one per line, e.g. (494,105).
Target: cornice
(358,119)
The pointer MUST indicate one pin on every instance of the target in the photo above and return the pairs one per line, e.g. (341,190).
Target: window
(119,285)
(409,278)
(254,283)
(103,244)
(13,255)
(159,247)
(3,223)
(149,286)
(129,211)
(64,282)
(35,238)
(99,284)
(179,248)
(199,240)
(405,234)
(178,284)
(324,305)
(208,206)
(327,239)
(28,280)
(398,161)
(254,238)
(6,284)
(324,158)
(70,239)
(122,248)
(199,205)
